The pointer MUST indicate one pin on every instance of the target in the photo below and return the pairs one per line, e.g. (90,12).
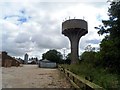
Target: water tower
(26,58)
(74,29)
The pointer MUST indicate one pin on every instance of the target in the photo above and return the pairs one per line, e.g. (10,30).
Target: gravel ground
(30,76)
(0,78)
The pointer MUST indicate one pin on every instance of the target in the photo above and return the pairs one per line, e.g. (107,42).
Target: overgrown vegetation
(110,45)
(97,75)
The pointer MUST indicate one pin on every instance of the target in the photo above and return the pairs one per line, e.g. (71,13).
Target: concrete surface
(30,76)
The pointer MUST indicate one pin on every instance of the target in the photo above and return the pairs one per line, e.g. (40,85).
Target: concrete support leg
(74,50)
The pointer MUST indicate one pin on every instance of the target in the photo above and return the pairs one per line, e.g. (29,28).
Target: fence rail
(79,82)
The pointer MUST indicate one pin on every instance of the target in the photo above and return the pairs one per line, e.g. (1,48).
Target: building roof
(45,60)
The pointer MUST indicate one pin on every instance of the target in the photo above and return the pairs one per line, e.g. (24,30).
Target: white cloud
(42,31)
(55,1)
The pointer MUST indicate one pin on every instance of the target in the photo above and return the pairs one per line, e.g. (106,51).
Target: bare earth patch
(30,76)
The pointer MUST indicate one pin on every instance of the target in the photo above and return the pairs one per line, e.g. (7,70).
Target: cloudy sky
(34,27)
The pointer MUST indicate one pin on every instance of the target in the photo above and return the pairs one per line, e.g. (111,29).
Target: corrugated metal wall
(47,64)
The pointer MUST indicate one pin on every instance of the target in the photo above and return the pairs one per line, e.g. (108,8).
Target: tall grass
(97,75)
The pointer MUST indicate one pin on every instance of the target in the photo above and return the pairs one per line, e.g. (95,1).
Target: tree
(68,59)
(89,48)
(53,55)
(88,57)
(109,47)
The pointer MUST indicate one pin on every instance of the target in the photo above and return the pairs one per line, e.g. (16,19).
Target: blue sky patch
(22,19)
(11,16)
(94,41)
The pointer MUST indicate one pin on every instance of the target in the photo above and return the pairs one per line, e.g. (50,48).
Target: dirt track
(30,76)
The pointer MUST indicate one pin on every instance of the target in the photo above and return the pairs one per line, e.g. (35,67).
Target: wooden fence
(79,82)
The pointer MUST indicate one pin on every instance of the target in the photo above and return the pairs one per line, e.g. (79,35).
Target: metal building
(47,64)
